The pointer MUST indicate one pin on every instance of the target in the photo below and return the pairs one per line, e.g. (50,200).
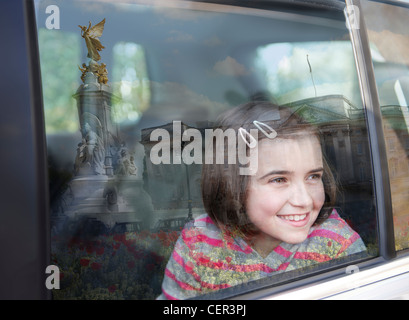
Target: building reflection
(346,145)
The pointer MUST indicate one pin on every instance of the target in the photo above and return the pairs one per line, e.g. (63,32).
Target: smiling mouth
(294,217)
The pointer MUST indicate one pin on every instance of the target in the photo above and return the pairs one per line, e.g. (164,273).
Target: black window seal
(39,143)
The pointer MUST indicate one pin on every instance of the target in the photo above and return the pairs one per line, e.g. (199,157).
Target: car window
(131,92)
(392,78)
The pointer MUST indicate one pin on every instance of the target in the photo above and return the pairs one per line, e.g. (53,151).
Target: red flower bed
(84,262)
(96,266)
(118,266)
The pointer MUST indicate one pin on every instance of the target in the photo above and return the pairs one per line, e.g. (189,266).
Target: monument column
(94,102)
(105,186)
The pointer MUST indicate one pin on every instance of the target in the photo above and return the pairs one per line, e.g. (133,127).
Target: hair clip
(243,133)
(271,135)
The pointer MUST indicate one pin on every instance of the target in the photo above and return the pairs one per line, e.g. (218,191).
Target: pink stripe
(235,247)
(179,260)
(249,267)
(347,243)
(285,253)
(206,219)
(253,267)
(200,237)
(327,234)
(354,237)
(168,296)
(335,216)
(214,286)
(189,270)
(312,256)
(205,261)
(183,285)
(283,266)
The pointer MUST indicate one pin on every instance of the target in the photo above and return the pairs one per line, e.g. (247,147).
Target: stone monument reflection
(105,189)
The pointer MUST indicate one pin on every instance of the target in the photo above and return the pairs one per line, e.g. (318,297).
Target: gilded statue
(84,71)
(99,70)
(102,73)
(91,36)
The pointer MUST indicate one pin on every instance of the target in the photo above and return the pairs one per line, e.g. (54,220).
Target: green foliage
(59,60)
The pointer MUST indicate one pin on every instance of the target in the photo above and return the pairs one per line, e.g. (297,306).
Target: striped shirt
(206,259)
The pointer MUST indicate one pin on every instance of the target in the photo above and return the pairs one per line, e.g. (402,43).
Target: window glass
(389,39)
(283,62)
(131,81)
(59,108)
(144,202)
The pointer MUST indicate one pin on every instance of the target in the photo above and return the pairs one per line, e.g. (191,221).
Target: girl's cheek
(319,195)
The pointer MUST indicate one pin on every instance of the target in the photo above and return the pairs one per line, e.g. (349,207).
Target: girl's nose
(300,196)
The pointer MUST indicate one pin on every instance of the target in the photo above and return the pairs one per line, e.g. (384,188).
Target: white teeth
(294,217)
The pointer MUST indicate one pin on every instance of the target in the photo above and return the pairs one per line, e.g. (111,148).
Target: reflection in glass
(116,211)
(59,53)
(296,71)
(130,82)
(276,217)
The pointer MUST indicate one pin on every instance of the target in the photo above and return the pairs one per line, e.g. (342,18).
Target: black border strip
(39,142)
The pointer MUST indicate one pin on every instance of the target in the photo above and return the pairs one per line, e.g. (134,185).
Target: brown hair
(224,189)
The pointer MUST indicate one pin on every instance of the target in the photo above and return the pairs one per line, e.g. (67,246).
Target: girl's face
(287,193)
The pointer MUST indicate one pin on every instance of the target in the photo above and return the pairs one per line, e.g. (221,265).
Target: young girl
(278,218)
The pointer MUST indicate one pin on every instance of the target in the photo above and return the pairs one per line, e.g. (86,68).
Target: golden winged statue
(91,36)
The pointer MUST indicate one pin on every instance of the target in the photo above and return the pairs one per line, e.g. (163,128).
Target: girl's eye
(315,176)
(278,180)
